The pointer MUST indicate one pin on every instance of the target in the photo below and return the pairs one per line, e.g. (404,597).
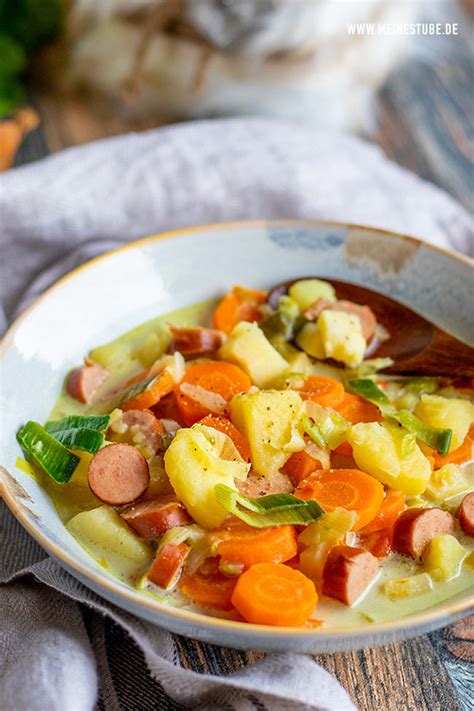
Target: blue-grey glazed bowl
(120,290)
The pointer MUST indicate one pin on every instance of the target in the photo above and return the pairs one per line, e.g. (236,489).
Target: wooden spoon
(417,346)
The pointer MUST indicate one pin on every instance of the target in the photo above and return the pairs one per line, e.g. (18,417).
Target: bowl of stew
(229,458)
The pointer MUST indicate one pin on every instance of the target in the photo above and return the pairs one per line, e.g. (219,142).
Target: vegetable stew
(247,459)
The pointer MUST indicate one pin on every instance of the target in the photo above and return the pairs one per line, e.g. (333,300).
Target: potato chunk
(197,459)
(446,482)
(248,347)
(270,421)
(375,452)
(299,362)
(408,587)
(444,557)
(391,455)
(306,291)
(341,335)
(310,340)
(447,412)
(110,541)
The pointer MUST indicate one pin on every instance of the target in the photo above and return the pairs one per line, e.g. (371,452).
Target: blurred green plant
(25,26)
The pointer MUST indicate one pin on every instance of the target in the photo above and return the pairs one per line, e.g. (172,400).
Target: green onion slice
(44,450)
(328,431)
(80,432)
(84,439)
(434,437)
(314,432)
(366,388)
(272,510)
(78,422)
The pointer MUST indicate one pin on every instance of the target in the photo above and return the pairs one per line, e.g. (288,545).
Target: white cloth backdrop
(65,209)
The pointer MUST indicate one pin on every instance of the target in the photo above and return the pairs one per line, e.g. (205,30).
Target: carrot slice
(392,506)
(246,293)
(327,392)
(246,545)
(379,543)
(163,385)
(167,408)
(355,409)
(300,465)
(222,424)
(142,375)
(225,379)
(238,305)
(349,488)
(344,449)
(226,314)
(274,594)
(214,591)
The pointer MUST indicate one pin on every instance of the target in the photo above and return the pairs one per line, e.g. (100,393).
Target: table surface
(424,124)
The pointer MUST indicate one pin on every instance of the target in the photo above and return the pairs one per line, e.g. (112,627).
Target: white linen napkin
(61,211)
(67,208)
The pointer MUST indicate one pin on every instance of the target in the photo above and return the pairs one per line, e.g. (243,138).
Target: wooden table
(428,673)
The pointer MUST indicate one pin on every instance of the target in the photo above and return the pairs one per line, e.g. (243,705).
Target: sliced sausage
(118,474)
(151,519)
(415,529)
(166,568)
(83,383)
(138,427)
(347,573)
(255,486)
(466,514)
(367,317)
(316,308)
(194,342)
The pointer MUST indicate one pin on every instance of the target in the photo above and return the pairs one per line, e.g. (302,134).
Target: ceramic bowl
(122,289)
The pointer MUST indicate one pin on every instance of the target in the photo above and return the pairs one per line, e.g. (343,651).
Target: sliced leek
(46,452)
(89,422)
(272,510)
(327,430)
(435,437)
(84,439)
(77,432)
(366,388)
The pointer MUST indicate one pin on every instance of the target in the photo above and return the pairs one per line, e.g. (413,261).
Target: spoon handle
(443,355)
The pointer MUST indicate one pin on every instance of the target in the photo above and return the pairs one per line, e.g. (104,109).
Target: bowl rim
(433,617)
